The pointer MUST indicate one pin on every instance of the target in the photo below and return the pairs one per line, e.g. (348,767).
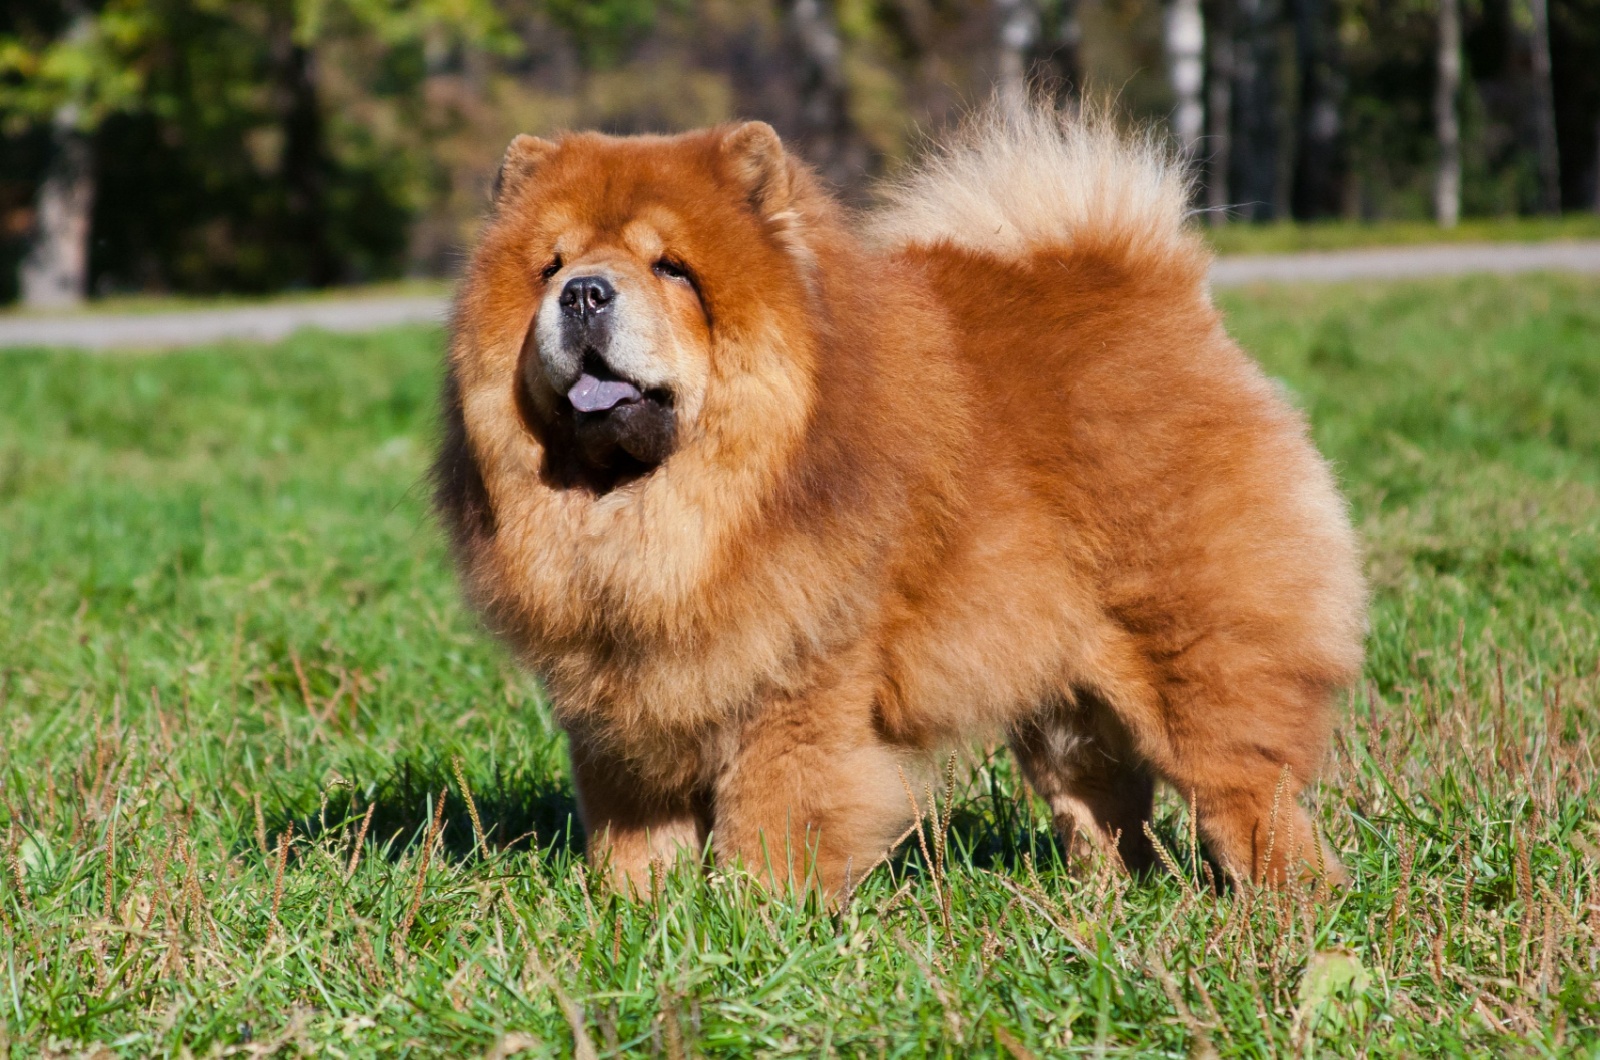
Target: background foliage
(254,145)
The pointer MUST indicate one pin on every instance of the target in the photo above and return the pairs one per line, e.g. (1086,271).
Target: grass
(242,714)
(1345,235)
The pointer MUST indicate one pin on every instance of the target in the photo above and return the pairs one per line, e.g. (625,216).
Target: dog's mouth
(603,429)
(607,429)
(600,389)
(594,394)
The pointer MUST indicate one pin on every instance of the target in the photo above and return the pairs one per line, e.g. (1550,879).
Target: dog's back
(1186,484)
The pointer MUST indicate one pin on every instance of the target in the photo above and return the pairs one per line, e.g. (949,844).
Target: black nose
(587,296)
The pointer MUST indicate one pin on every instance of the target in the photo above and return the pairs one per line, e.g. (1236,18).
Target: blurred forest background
(261,145)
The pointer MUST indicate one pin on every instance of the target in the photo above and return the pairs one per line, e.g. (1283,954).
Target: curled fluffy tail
(1013,183)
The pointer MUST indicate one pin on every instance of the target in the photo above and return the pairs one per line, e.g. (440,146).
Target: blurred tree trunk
(1446,122)
(1318,178)
(929,80)
(1016,38)
(55,273)
(1057,64)
(1185,39)
(828,136)
(1544,109)
(1036,51)
(304,163)
(1257,155)
(1219,111)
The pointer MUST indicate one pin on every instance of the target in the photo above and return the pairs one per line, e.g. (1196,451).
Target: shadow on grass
(990,831)
(517,811)
(1005,843)
(991,827)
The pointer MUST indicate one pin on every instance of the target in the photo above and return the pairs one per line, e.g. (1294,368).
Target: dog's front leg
(628,825)
(813,797)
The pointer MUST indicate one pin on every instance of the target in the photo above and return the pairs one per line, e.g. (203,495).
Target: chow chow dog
(783,502)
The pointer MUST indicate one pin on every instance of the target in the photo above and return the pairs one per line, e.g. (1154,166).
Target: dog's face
(635,253)
(620,340)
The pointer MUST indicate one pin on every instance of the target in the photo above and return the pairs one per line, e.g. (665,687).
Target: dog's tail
(1017,182)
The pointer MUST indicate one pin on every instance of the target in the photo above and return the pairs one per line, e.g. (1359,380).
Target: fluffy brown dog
(781,501)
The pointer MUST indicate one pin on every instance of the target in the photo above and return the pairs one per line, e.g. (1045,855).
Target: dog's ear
(523,158)
(756,161)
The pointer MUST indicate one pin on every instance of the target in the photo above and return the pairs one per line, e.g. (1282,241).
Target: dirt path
(1378,263)
(268,323)
(191,327)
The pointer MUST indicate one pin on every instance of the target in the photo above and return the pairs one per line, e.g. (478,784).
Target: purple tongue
(589,394)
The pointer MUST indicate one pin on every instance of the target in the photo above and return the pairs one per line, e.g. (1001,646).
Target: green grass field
(241,713)
(1285,237)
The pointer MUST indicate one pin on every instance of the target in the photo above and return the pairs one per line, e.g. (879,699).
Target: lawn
(267,788)
(1285,237)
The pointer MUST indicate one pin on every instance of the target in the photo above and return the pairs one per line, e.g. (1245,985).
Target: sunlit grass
(230,647)
(1284,237)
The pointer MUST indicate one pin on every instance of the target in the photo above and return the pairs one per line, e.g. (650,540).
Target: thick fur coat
(783,502)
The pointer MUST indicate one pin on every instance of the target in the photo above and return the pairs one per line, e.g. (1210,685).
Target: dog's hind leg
(1239,742)
(1080,759)
(1246,797)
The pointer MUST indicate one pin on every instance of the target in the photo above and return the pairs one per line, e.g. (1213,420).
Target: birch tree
(75,81)
(1016,37)
(1219,111)
(1446,122)
(1057,62)
(1185,40)
(1036,50)
(1544,107)
(173,59)
(828,137)
(55,273)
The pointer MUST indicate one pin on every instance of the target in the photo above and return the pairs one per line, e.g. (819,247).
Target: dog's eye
(668,269)
(550,269)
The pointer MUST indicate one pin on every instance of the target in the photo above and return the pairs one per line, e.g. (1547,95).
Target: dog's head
(649,269)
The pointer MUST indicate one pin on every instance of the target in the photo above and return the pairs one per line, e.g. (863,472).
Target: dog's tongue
(589,394)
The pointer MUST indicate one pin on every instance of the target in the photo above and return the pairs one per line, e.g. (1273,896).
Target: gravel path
(268,323)
(1381,263)
(190,327)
